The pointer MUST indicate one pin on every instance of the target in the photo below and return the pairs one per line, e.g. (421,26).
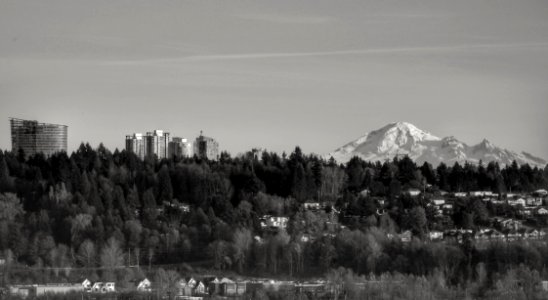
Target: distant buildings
(153,143)
(159,143)
(206,147)
(180,147)
(156,143)
(273,223)
(33,137)
(136,144)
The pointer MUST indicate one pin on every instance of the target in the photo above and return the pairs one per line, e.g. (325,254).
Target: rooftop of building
(34,122)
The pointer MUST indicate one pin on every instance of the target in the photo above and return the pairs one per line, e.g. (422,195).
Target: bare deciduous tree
(111,257)
(87,253)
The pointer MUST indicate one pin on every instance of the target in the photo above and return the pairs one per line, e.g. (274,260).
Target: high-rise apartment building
(157,142)
(206,147)
(180,147)
(153,143)
(33,137)
(136,144)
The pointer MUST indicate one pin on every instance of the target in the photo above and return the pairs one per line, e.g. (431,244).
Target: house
(96,288)
(270,222)
(459,195)
(530,201)
(226,280)
(531,234)
(513,235)
(213,285)
(405,236)
(544,285)
(519,201)
(510,224)
(541,193)
(144,285)
(86,284)
(200,289)
(240,287)
(186,286)
(22,291)
(38,290)
(103,287)
(182,207)
(438,202)
(228,287)
(312,206)
(457,235)
(488,234)
(477,194)
(447,208)
(364,193)
(542,211)
(413,192)
(435,235)
(495,235)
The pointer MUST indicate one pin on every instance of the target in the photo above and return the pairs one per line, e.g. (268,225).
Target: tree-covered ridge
(97,210)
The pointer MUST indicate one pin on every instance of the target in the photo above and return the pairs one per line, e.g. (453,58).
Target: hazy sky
(280,73)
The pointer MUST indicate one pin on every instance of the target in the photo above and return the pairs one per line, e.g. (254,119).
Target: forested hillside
(94,211)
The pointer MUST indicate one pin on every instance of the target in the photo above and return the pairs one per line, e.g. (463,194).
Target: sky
(276,74)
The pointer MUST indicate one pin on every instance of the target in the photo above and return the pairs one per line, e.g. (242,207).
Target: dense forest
(95,211)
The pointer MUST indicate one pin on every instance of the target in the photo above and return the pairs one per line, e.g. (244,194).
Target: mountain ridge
(403,138)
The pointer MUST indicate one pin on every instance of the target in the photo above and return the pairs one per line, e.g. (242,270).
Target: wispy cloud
(286,19)
(267,55)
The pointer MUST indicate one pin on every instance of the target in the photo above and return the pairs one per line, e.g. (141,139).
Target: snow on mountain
(401,138)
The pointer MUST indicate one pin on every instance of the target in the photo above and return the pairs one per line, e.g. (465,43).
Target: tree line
(100,211)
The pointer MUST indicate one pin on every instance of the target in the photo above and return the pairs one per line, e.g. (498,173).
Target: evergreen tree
(164,185)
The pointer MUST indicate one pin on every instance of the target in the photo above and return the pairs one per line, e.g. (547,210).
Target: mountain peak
(403,131)
(403,138)
(402,126)
(485,144)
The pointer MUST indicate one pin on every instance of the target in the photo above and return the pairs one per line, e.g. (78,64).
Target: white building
(206,147)
(438,202)
(312,206)
(144,285)
(413,192)
(274,222)
(180,147)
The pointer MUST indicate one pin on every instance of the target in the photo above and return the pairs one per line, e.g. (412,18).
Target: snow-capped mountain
(405,139)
